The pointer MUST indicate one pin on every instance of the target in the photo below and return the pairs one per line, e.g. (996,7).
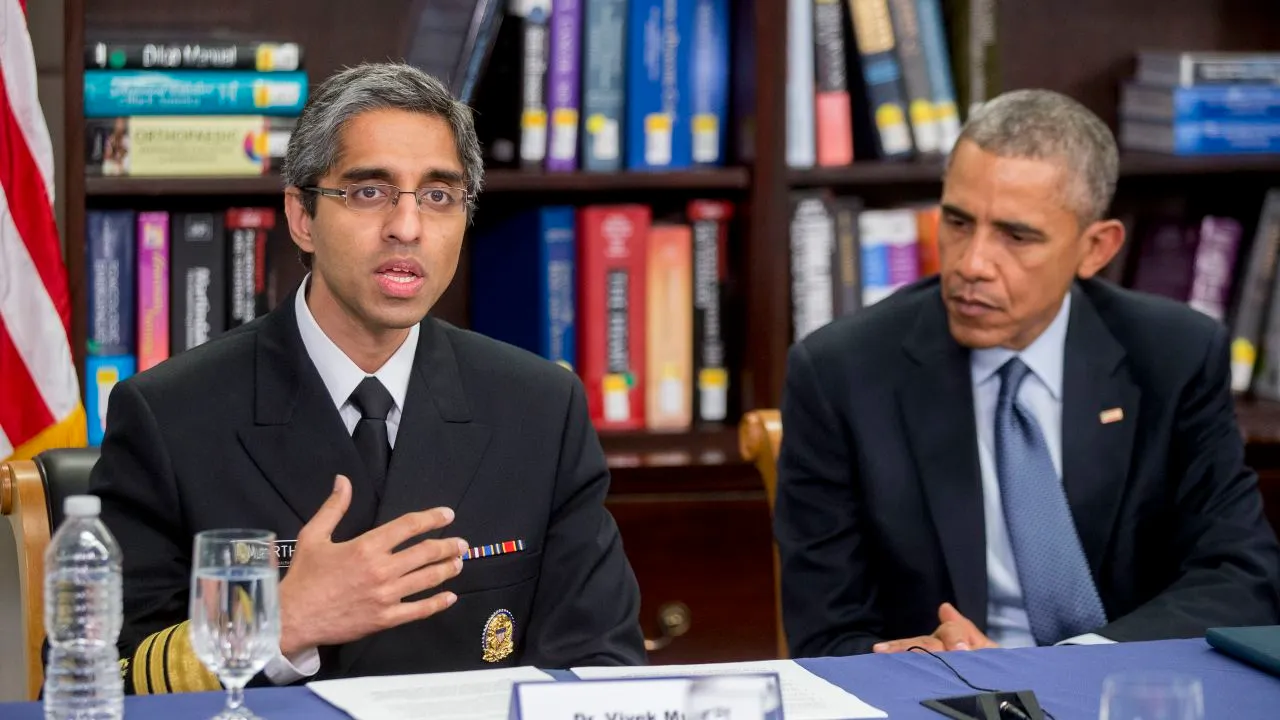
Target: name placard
(715,697)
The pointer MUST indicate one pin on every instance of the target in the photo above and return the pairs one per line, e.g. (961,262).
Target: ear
(1103,239)
(299,220)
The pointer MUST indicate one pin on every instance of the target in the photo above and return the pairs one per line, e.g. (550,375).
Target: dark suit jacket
(240,432)
(879,515)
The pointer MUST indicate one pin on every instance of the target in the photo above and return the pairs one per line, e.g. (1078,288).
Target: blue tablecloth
(1067,682)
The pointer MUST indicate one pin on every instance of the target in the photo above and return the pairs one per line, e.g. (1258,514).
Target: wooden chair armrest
(23,502)
(759,437)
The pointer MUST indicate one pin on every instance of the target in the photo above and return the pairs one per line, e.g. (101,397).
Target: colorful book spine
(833,108)
(102,373)
(110,250)
(563,77)
(611,313)
(199,280)
(937,58)
(890,258)
(153,288)
(709,85)
(658,48)
(208,55)
(1202,137)
(882,73)
(669,327)
(247,230)
(1215,264)
(111,93)
(1201,102)
(186,145)
(603,84)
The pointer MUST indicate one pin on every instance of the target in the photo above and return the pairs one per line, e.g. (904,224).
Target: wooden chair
(31,497)
(759,437)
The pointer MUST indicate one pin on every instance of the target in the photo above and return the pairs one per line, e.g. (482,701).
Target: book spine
(1203,102)
(562,84)
(109,93)
(709,70)
(1215,265)
(833,109)
(669,328)
(937,57)
(801,135)
(611,329)
(710,228)
(260,57)
(176,145)
(1251,314)
(153,288)
(102,373)
(603,84)
(882,73)
(533,111)
(109,250)
(199,280)
(915,76)
(890,257)
(559,286)
(812,240)
(846,263)
(247,233)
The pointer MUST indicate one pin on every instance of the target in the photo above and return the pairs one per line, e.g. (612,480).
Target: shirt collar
(340,374)
(1044,356)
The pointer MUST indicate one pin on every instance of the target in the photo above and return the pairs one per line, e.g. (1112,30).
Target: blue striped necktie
(1057,588)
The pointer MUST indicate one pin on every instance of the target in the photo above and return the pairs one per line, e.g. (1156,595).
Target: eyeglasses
(378,197)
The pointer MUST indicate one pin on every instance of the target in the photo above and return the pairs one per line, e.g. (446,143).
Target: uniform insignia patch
(499,638)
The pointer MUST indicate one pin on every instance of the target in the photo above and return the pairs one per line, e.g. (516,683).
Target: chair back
(759,437)
(31,498)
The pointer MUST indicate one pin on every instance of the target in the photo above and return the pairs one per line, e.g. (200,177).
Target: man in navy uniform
(379,444)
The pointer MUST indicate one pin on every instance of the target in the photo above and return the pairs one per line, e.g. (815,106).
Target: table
(1067,682)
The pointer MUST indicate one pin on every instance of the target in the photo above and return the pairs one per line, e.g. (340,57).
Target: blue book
(709,71)
(603,84)
(101,375)
(523,281)
(111,93)
(109,253)
(1202,137)
(1200,102)
(659,48)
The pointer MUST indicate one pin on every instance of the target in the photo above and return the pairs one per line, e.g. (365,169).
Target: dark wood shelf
(871,172)
(1136,164)
(496,181)
(703,459)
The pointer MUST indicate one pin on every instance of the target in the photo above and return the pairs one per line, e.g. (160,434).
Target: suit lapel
(1099,419)
(298,439)
(937,408)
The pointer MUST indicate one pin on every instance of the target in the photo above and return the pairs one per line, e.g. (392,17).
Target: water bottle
(82,617)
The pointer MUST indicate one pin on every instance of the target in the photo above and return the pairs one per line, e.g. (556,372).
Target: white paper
(472,695)
(805,696)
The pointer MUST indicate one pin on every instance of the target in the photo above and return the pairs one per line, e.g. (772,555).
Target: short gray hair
(315,147)
(1045,125)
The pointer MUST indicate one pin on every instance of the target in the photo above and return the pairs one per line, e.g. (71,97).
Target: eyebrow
(359,174)
(1012,227)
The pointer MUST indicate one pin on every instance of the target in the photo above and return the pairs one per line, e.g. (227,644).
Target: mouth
(971,306)
(400,278)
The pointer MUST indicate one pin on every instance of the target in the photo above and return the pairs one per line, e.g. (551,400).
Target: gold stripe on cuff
(156,660)
(186,672)
(140,684)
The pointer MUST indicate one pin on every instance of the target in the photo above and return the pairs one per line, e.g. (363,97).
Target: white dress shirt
(341,376)
(1041,395)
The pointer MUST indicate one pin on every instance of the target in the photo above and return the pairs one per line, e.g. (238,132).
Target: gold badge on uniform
(499,636)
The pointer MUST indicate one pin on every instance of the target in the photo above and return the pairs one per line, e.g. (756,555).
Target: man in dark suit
(1016,452)
(360,431)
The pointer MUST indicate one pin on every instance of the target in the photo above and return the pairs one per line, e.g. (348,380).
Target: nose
(975,258)
(404,222)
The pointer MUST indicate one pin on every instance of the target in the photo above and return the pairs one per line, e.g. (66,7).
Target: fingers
(426,553)
(326,519)
(410,525)
(424,579)
(954,636)
(947,613)
(402,613)
(927,642)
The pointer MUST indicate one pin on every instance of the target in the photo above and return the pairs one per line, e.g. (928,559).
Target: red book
(611,312)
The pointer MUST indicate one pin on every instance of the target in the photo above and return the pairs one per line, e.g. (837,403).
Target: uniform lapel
(297,439)
(1099,420)
(938,413)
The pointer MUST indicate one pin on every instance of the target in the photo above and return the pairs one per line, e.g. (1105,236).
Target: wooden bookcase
(692,513)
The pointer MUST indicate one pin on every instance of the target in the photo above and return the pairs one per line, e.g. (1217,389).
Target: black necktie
(370,436)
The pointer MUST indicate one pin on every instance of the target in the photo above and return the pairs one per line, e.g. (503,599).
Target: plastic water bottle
(82,617)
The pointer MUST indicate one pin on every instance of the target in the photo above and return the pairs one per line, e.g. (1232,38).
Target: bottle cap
(82,506)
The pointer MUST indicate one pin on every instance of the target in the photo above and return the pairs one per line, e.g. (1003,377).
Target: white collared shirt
(341,376)
(1041,394)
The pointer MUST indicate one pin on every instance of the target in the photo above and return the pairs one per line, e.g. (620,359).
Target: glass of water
(1152,696)
(235,609)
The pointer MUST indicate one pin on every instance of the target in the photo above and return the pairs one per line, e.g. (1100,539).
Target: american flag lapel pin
(1106,417)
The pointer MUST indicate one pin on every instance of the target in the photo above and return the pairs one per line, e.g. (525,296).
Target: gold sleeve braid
(165,662)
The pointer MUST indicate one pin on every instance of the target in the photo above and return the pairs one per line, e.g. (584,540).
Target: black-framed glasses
(365,197)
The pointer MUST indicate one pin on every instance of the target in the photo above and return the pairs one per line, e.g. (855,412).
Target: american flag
(40,403)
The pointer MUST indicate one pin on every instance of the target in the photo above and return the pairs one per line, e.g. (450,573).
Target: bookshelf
(673,491)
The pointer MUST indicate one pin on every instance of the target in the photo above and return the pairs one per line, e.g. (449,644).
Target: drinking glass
(235,609)
(1152,696)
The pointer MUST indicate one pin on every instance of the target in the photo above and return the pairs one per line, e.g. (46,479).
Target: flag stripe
(23,413)
(21,176)
(18,69)
(31,319)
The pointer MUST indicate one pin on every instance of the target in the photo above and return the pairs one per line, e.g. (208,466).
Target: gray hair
(315,147)
(1045,125)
